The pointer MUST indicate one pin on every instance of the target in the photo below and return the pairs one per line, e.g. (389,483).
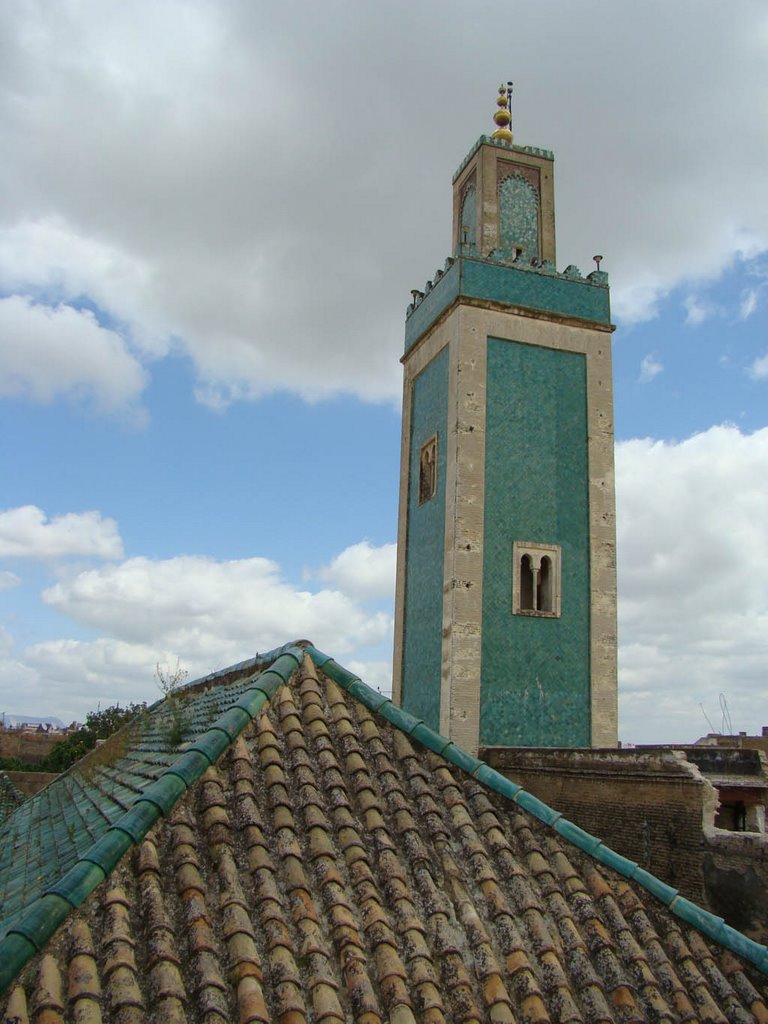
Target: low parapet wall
(735,870)
(652,807)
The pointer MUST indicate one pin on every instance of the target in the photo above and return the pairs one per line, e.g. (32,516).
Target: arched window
(468,217)
(526,584)
(544,586)
(428,470)
(536,579)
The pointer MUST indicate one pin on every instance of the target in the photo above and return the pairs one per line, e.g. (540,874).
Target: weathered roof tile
(326,869)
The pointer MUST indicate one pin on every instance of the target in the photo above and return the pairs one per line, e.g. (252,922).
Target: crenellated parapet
(508,278)
(508,148)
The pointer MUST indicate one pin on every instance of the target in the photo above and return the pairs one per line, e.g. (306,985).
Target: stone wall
(652,807)
(28,745)
(735,870)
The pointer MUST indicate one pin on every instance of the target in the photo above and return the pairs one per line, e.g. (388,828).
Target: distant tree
(99,725)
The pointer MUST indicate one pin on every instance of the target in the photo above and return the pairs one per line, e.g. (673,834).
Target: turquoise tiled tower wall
(521,379)
(535,672)
(424,593)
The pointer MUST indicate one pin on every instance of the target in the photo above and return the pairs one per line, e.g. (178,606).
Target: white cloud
(698,310)
(377,674)
(8,579)
(209,614)
(650,367)
(76,677)
(50,256)
(197,606)
(52,351)
(637,300)
(26,532)
(693,581)
(6,642)
(748,303)
(759,368)
(363,571)
(174,190)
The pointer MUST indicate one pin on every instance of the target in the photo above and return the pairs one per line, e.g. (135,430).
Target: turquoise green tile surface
(535,671)
(518,215)
(502,281)
(424,559)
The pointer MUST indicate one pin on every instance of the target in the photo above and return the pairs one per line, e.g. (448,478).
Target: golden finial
(502,116)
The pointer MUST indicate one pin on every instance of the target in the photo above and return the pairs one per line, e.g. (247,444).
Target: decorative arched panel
(468,216)
(518,215)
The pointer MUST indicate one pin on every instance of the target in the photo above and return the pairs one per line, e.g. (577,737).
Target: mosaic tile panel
(518,215)
(424,560)
(540,288)
(535,671)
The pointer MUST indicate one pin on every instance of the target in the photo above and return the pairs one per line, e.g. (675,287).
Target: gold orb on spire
(502,117)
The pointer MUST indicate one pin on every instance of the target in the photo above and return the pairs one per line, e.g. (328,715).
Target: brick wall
(649,806)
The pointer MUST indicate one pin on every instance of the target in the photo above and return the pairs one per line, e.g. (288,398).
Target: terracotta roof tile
(326,869)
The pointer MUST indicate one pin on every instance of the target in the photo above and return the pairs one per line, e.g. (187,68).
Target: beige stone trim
(463,579)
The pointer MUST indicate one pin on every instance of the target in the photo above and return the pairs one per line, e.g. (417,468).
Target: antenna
(727,724)
(706,716)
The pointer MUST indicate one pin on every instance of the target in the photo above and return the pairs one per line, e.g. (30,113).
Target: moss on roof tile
(330,866)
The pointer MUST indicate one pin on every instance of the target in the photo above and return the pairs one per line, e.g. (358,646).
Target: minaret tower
(505,620)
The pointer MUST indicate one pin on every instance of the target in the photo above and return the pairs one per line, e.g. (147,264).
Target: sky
(211,218)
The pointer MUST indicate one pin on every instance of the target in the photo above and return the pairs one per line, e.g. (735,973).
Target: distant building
(736,766)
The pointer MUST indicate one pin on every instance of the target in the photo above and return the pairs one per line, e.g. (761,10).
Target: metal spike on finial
(502,117)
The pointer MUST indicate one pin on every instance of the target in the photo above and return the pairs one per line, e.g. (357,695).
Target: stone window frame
(536,553)
(428,470)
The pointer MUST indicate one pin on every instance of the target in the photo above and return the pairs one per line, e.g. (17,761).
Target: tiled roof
(324,866)
(10,796)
